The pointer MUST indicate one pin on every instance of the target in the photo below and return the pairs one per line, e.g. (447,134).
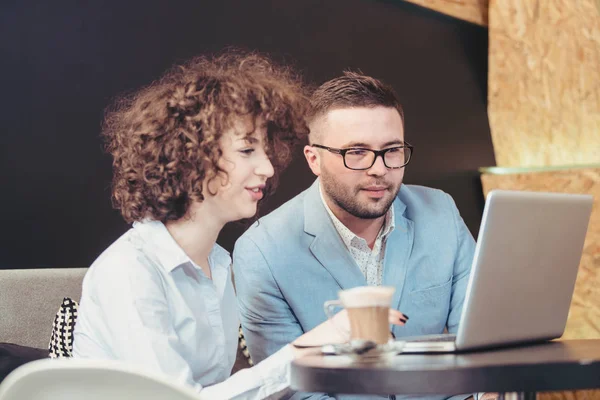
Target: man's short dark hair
(353,89)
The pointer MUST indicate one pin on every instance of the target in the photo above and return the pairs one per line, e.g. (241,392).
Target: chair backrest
(74,379)
(29,299)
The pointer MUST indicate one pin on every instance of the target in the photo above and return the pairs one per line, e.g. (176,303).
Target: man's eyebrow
(394,143)
(356,144)
(367,146)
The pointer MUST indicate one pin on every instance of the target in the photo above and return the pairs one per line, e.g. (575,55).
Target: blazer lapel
(327,246)
(397,252)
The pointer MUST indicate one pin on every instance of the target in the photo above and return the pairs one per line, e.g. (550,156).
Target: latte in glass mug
(368,310)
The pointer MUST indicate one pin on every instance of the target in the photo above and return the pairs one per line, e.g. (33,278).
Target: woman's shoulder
(126,255)
(124,272)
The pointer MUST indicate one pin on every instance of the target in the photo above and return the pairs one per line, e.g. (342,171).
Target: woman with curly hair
(191,152)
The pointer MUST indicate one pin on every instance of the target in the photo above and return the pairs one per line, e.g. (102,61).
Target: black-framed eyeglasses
(358,158)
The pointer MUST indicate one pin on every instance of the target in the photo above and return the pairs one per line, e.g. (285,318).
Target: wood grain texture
(544,82)
(584,315)
(475,11)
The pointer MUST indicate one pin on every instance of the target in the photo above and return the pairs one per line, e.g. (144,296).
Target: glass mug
(368,311)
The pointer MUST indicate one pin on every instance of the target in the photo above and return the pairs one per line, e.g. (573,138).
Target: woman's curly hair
(164,139)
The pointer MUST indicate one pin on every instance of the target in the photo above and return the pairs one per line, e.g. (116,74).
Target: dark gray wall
(62,62)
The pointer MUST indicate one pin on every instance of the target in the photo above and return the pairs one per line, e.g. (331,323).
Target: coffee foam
(367,296)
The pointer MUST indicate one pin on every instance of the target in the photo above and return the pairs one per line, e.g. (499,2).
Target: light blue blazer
(293,260)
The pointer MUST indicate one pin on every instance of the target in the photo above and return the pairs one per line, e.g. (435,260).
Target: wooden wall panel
(584,314)
(544,82)
(475,11)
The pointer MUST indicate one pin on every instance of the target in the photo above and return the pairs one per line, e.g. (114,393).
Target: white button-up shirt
(146,302)
(369,261)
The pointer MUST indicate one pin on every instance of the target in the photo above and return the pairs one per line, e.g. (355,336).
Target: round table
(556,365)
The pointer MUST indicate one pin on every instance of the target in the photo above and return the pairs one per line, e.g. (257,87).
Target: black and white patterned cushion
(243,347)
(61,342)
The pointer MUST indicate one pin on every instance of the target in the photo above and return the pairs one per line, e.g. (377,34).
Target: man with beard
(356,225)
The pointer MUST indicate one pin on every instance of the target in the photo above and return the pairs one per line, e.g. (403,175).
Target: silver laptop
(523,273)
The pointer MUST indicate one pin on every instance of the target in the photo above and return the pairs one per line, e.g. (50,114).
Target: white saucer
(391,348)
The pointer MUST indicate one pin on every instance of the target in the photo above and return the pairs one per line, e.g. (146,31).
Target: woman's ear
(313,159)
(215,181)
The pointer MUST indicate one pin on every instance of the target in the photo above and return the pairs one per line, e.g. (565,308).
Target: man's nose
(378,168)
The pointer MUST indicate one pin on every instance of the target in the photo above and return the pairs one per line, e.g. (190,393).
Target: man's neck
(367,229)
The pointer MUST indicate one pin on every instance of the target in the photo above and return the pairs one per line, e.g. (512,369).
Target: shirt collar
(389,224)
(161,244)
(347,235)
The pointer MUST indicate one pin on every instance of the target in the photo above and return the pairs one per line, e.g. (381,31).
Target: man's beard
(347,197)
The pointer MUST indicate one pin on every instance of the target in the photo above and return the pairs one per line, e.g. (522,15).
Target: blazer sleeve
(465,251)
(267,320)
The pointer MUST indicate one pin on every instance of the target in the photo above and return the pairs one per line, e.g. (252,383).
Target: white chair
(75,379)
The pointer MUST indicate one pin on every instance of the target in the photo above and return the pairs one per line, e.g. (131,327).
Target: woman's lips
(255,194)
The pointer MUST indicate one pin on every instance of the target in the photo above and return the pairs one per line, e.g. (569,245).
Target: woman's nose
(265,168)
